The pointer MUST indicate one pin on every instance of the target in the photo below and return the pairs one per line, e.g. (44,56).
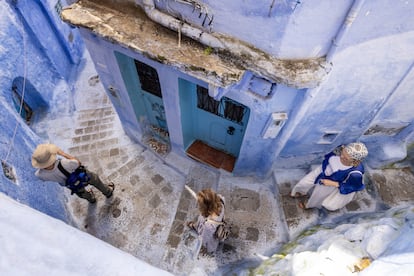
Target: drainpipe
(300,113)
(214,41)
(345,27)
(176,25)
(222,42)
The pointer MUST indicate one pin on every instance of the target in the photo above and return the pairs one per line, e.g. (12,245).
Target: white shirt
(55,174)
(334,165)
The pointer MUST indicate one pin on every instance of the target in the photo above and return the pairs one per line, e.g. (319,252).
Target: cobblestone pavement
(147,214)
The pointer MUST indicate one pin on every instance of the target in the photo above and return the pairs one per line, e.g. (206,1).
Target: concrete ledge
(394,186)
(126,24)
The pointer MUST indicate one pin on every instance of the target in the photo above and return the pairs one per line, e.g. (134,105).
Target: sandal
(92,199)
(298,195)
(191,225)
(112,187)
(302,205)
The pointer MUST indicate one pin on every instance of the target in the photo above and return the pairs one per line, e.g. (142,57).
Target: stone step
(93,137)
(93,146)
(93,121)
(100,112)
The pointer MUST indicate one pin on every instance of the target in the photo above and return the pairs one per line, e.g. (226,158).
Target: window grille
(225,108)
(205,102)
(233,111)
(148,77)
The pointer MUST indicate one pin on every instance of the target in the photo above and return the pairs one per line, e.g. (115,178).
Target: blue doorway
(144,91)
(217,124)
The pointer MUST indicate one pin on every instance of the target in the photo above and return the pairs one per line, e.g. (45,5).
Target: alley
(146,216)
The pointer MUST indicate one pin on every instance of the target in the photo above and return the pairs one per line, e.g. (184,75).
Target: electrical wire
(22,97)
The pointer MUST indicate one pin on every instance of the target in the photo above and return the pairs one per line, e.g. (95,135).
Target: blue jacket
(349,180)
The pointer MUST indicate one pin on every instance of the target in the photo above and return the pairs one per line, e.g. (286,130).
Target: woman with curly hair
(211,207)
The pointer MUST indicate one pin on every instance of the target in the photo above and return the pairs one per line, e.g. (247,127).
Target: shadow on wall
(27,101)
(17,179)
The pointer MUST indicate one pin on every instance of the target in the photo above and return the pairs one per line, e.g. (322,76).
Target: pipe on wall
(352,14)
(176,25)
(264,64)
(197,34)
(297,115)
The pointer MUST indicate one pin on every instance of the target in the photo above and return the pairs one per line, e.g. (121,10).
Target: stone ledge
(394,185)
(127,24)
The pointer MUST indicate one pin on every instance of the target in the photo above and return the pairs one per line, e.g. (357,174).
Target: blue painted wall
(36,46)
(362,98)
(254,149)
(365,96)
(284,25)
(58,42)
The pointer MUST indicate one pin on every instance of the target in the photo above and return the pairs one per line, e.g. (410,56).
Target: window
(233,111)
(9,172)
(205,102)
(225,108)
(26,111)
(388,128)
(329,137)
(148,77)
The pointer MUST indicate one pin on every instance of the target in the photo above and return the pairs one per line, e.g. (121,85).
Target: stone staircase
(143,193)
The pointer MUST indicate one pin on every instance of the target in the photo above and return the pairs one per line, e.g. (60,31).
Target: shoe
(191,225)
(298,195)
(204,253)
(93,198)
(112,187)
(302,205)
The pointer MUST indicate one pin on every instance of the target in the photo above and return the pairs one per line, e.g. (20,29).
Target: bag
(223,230)
(76,180)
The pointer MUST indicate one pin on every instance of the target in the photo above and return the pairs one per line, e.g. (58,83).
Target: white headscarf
(357,151)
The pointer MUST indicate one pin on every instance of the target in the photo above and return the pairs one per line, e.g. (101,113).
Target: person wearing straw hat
(336,181)
(44,158)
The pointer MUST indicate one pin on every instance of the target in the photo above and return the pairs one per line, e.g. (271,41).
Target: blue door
(219,124)
(144,91)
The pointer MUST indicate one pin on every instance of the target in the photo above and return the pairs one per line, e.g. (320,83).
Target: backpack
(76,180)
(223,230)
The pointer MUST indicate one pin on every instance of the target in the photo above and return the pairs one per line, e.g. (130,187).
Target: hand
(328,182)
(68,156)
